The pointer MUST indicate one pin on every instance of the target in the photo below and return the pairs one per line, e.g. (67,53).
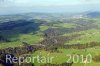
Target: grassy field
(43,28)
(61,56)
(29,38)
(65,25)
(87,36)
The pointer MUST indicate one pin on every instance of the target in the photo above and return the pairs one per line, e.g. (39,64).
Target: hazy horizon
(48,6)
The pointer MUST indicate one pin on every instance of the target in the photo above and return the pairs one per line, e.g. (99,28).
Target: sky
(48,6)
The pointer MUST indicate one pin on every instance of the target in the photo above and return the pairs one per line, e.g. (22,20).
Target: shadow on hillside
(13,29)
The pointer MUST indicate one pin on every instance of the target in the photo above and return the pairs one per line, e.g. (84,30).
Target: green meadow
(92,34)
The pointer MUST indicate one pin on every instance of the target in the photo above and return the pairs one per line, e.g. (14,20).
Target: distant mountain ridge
(93,14)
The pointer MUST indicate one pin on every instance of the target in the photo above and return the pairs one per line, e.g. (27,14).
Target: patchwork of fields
(53,35)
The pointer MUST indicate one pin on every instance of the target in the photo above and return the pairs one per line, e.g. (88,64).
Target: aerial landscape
(38,35)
